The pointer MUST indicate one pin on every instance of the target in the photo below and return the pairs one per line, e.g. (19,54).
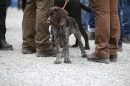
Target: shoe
(26,51)
(126,40)
(113,58)
(4,45)
(120,49)
(94,58)
(91,36)
(49,53)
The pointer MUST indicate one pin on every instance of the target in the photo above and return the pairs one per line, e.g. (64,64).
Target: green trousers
(2,18)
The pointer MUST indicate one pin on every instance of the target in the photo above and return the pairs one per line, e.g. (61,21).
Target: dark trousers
(2,18)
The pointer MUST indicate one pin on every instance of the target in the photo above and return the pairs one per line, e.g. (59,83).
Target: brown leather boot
(48,53)
(4,45)
(95,58)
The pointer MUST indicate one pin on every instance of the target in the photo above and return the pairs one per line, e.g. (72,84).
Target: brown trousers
(107,32)
(35,30)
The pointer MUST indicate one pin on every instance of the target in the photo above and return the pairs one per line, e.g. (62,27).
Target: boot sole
(28,52)
(113,60)
(45,55)
(100,60)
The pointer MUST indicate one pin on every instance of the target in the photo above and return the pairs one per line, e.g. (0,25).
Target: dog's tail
(86,8)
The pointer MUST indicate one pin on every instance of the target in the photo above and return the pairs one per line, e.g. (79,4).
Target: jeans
(126,18)
(120,10)
(91,22)
(84,15)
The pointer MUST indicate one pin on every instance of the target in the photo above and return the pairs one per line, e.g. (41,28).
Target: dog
(73,7)
(62,27)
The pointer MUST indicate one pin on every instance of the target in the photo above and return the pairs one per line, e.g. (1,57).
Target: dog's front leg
(57,44)
(66,47)
(58,57)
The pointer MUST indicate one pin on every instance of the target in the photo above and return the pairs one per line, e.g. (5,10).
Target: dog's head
(56,16)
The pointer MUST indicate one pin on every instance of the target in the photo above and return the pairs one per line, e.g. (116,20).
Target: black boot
(4,45)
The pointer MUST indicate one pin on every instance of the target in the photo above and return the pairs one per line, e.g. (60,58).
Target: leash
(65,4)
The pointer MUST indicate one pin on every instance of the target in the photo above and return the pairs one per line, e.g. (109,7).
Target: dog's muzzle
(49,21)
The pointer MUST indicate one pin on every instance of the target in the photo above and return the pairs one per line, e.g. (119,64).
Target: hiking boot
(49,53)
(4,45)
(26,51)
(91,36)
(113,58)
(94,58)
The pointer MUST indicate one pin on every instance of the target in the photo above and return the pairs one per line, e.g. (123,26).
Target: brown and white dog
(62,27)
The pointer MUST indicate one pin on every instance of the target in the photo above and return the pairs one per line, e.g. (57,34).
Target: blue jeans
(126,18)
(91,21)
(120,5)
(84,15)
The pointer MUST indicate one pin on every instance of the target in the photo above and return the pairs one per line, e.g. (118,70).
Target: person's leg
(3,44)
(84,15)
(2,18)
(102,31)
(28,27)
(43,44)
(121,28)
(126,21)
(91,22)
(91,29)
(114,29)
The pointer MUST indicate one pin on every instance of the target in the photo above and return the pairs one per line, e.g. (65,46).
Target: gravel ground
(17,69)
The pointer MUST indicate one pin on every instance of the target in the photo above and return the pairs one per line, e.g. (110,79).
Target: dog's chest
(60,32)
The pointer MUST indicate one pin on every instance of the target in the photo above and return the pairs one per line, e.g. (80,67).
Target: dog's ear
(62,15)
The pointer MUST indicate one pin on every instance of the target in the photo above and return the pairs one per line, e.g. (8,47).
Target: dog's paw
(67,61)
(84,55)
(57,62)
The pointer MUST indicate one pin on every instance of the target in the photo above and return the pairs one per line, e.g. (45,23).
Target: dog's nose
(49,19)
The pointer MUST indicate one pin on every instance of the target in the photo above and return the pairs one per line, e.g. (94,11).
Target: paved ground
(17,69)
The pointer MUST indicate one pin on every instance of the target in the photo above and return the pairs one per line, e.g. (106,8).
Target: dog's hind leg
(78,37)
(80,45)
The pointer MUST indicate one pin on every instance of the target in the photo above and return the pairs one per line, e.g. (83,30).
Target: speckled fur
(62,32)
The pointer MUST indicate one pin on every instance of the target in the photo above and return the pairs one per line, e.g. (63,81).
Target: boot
(113,58)
(4,45)
(91,36)
(95,58)
(48,53)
